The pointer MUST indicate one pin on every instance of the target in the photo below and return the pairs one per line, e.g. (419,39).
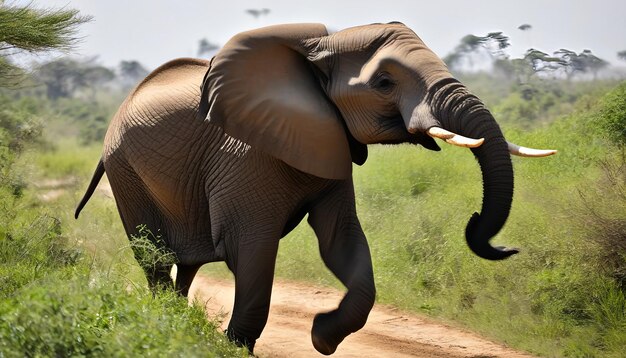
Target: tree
(131,72)
(525,27)
(471,46)
(58,77)
(622,55)
(593,63)
(496,42)
(30,30)
(66,76)
(94,76)
(541,62)
(258,12)
(518,69)
(206,48)
(573,63)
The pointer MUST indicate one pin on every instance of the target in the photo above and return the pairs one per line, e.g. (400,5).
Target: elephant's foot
(241,341)
(324,333)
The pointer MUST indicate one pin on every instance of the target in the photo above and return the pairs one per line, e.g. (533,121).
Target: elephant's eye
(383,83)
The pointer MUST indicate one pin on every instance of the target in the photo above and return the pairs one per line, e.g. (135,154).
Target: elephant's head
(315,100)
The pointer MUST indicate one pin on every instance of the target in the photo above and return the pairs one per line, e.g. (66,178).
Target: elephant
(224,157)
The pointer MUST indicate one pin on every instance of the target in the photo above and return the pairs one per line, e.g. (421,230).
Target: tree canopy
(206,48)
(492,44)
(131,72)
(65,76)
(492,47)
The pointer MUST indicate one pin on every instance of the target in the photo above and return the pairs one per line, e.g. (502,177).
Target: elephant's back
(171,92)
(176,72)
(160,109)
(156,133)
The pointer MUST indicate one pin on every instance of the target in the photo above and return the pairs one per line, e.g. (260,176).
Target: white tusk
(529,152)
(453,138)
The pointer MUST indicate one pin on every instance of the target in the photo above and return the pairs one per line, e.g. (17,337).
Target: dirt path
(388,332)
(49,190)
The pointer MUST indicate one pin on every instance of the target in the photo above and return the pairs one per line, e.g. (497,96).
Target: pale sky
(155,31)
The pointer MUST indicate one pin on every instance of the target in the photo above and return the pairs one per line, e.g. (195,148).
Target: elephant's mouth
(393,125)
(418,137)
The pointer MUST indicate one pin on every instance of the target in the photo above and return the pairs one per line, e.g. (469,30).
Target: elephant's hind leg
(144,227)
(153,256)
(184,277)
(253,266)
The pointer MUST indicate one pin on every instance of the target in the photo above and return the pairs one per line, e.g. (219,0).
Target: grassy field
(72,287)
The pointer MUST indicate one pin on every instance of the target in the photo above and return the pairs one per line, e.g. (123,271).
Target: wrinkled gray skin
(225,158)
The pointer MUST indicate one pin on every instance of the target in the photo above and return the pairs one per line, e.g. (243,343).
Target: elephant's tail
(95,179)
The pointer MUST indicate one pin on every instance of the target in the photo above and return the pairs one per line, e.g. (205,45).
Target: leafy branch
(26,29)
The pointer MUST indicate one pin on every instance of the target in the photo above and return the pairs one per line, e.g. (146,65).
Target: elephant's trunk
(463,113)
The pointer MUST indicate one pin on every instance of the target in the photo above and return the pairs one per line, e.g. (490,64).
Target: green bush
(58,299)
(607,223)
(611,117)
(19,127)
(89,316)
(19,123)
(89,118)
(55,301)
(31,250)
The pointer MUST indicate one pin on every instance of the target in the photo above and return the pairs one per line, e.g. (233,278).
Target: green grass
(58,298)
(91,316)
(72,288)
(66,158)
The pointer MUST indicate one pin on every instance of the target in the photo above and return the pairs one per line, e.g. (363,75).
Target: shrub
(95,317)
(19,125)
(607,224)
(55,301)
(611,117)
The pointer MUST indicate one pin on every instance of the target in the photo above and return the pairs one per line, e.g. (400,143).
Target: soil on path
(388,332)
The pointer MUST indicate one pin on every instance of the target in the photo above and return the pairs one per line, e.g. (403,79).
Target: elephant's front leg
(252,263)
(345,252)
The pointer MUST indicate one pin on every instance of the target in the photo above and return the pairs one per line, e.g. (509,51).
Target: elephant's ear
(262,89)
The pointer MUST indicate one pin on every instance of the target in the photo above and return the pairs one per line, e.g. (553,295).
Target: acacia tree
(66,76)
(584,62)
(256,13)
(540,61)
(29,30)
(593,63)
(131,72)
(563,62)
(206,48)
(622,55)
(471,46)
